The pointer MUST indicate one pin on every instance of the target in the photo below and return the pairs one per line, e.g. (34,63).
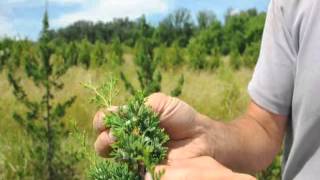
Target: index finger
(98,122)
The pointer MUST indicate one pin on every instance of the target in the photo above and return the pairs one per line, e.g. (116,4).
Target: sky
(23,18)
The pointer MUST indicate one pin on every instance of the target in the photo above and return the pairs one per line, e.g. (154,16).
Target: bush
(235,60)
(174,55)
(197,57)
(98,54)
(160,57)
(115,52)
(251,55)
(215,60)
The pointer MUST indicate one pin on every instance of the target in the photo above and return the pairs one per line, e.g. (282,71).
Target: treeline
(176,40)
(238,31)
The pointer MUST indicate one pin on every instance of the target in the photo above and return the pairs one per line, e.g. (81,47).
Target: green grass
(221,95)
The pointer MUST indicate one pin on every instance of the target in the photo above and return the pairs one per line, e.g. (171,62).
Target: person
(285,105)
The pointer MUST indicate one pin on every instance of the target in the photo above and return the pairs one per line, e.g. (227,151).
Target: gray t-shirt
(286,81)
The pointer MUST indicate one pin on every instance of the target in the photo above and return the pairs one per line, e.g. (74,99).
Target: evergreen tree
(197,55)
(70,54)
(175,57)
(98,55)
(148,76)
(84,53)
(42,118)
(4,53)
(115,54)
(160,55)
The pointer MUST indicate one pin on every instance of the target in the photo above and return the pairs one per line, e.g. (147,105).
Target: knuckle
(98,121)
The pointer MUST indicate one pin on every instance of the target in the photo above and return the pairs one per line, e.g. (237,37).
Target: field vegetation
(207,63)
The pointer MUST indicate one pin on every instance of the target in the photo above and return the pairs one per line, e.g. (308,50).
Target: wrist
(206,129)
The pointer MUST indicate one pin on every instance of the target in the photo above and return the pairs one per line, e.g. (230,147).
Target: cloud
(106,10)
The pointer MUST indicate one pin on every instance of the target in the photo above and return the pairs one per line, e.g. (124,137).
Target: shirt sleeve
(272,83)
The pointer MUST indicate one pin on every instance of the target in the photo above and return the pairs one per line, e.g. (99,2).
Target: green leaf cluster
(140,142)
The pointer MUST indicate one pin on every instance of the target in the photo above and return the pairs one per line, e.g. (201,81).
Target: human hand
(188,138)
(202,168)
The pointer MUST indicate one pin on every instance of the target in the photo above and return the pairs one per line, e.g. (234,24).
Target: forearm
(244,144)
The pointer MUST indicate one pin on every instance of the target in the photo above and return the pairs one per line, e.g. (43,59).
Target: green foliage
(215,61)
(178,90)
(161,57)
(70,53)
(177,26)
(115,54)
(273,172)
(205,19)
(148,76)
(4,53)
(231,92)
(210,37)
(175,57)
(98,55)
(104,94)
(251,55)
(197,57)
(41,117)
(109,170)
(147,70)
(241,29)
(84,53)
(139,142)
(235,60)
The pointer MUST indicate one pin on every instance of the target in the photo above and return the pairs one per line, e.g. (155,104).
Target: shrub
(251,55)
(149,76)
(235,60)
(115,52)
(197,55)
(174,55)
(98,55)
(215,61)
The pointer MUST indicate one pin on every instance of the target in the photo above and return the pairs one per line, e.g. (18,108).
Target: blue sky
(22,18)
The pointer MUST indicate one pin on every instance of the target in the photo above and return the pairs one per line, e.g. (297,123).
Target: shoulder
(293,12)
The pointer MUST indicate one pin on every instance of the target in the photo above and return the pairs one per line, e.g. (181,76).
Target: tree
(42,118)
(174,55)
(160,56)
(98,55)
(205,19)
(197,55)
(251,54)
(215,61)
(176,26)
(4,52)
(115,54)
(149,76)
(84,48)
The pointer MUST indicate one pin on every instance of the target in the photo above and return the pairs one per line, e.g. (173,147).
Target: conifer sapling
(139,142)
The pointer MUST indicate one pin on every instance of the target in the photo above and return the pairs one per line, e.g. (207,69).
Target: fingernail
(148,176)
